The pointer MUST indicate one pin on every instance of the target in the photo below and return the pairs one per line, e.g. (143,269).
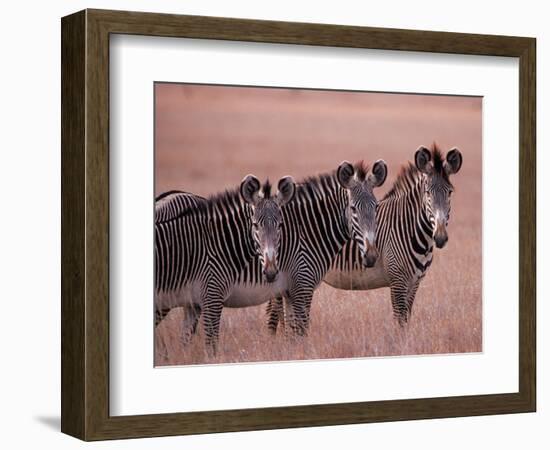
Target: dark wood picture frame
(85,224)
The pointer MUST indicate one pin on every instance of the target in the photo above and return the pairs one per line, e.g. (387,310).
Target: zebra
(173,203)
(327,210)
(200,250)
(412,218)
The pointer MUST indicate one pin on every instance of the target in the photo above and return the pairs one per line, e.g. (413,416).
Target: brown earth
(209,137)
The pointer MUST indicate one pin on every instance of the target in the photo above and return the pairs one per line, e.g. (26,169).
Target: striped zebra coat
(326,211)
(171,204)
(200,251)
(412,219)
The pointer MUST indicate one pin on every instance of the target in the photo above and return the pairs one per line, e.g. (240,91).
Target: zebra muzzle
(270,275)
(270,269)
(371,255)
(440,235)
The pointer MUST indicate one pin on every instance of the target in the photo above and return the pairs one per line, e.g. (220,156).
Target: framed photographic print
(271,224)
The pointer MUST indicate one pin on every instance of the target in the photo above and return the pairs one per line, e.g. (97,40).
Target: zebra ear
(422,159)
(250,186)
(344,174)
(287,189)
(379,173)
(453,161)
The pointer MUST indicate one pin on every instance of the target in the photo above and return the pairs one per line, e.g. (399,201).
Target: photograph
(307,224)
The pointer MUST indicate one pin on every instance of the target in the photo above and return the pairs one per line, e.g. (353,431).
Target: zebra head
(359,184)
(267,219)
(438,187)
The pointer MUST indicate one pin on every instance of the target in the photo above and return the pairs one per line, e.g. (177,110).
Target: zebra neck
(230,232)
(320,211)
(408,208)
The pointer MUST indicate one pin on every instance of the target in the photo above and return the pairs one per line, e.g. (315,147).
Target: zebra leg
(190,322)
(411,296)
(275,313)
(300,304)
(162,347)
(211,316)
(160,314)
(282,316)
(399,295)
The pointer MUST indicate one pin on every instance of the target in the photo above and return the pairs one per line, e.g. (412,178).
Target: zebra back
(169,205)
(201,237)
(315,227)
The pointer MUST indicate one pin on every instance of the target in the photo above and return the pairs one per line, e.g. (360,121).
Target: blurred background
(207,138)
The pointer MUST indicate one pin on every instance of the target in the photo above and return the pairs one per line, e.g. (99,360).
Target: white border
(137,388)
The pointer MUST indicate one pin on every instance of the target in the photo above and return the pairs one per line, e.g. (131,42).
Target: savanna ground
(208,138)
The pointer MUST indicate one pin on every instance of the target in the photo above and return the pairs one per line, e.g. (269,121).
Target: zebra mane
(266,189)
(329,178)
(439,163)
(361,170)
(231,197)
(316,184)
(408,177)
(226,198)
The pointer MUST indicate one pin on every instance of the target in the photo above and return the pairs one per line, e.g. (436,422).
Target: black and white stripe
(412,218)
(326,212)
(201,246)
(169,205)
(194,264)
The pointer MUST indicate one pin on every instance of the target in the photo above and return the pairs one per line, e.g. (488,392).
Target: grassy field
(208,138)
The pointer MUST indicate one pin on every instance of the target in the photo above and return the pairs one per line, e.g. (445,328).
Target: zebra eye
(255,225)
(353,209)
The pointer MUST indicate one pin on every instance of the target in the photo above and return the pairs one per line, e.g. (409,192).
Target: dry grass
(446,319)
(301,134)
